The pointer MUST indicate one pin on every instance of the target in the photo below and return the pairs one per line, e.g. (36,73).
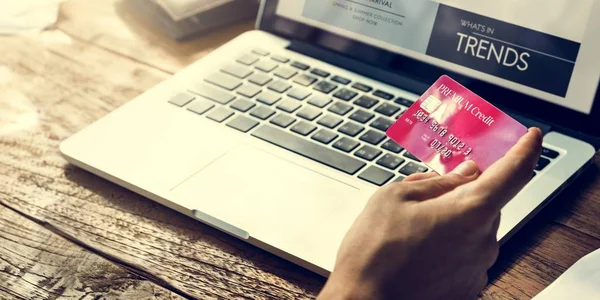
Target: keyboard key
(388,109)
(400,179)
(304,79)
(404,102)
(299,93)
(384,95)
(322,154)
(366,102)
(259,79)
(303,128)
(340,108)
(319,101)
(382,124)
(285,73)
(300,66)
(549,153)
(266,66)
(200,106)
(409,155)
(320,72)
(542,164)
(242,105)
(330,121)
(268,98)
(289,105)
(362,87)
(237,70)
(242,123)
(225,81)
(324,136)
(249,90)
(280,59)
(361,116)
(211,93)
(262,112)
(279,86)
(351,129)
(373,137)
(390,161)
(219,114)
(282,120)
(412,168)
(181,99)
(392,146)
(345,94)
(368,153)
(340,79)
(260,52)
(325,87)
(247,59)
(345,144)
(309,113)
(376,176)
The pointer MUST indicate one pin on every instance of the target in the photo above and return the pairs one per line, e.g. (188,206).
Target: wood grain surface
(36,263)
(65,232)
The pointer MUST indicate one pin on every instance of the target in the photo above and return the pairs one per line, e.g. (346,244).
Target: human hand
(430,236)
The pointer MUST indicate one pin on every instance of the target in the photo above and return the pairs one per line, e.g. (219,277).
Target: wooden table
(67,233)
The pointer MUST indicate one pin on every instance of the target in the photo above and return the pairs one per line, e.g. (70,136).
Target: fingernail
(467,168)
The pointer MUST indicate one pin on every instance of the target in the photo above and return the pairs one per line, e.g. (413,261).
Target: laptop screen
(547,49)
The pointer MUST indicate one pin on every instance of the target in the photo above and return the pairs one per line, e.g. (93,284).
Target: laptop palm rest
(250,192)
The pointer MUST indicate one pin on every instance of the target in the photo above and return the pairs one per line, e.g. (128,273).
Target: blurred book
(182,19)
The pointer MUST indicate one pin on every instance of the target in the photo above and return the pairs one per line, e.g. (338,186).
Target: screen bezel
(524,104)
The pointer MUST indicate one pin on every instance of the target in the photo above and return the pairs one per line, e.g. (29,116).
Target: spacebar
(305,148)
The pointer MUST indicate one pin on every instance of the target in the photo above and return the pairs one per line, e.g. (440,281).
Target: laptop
(278,137)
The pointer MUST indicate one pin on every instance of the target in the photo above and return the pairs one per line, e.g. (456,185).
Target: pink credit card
(450,124)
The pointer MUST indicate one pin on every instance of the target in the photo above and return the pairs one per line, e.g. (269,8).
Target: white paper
(25,16)
(581,281)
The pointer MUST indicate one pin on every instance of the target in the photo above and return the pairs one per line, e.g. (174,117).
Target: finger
(420,176)
(505,178)
(438,185)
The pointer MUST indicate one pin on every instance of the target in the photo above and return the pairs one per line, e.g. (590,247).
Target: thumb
(439,185)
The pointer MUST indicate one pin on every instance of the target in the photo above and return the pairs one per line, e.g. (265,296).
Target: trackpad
(272,199)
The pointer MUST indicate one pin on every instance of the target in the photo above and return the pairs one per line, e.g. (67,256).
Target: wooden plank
(38,264)
(60,88)
(112,25)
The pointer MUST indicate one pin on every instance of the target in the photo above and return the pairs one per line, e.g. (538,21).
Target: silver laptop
(278,137)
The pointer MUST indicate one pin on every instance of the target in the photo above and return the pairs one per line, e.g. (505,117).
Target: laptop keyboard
(331,119)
